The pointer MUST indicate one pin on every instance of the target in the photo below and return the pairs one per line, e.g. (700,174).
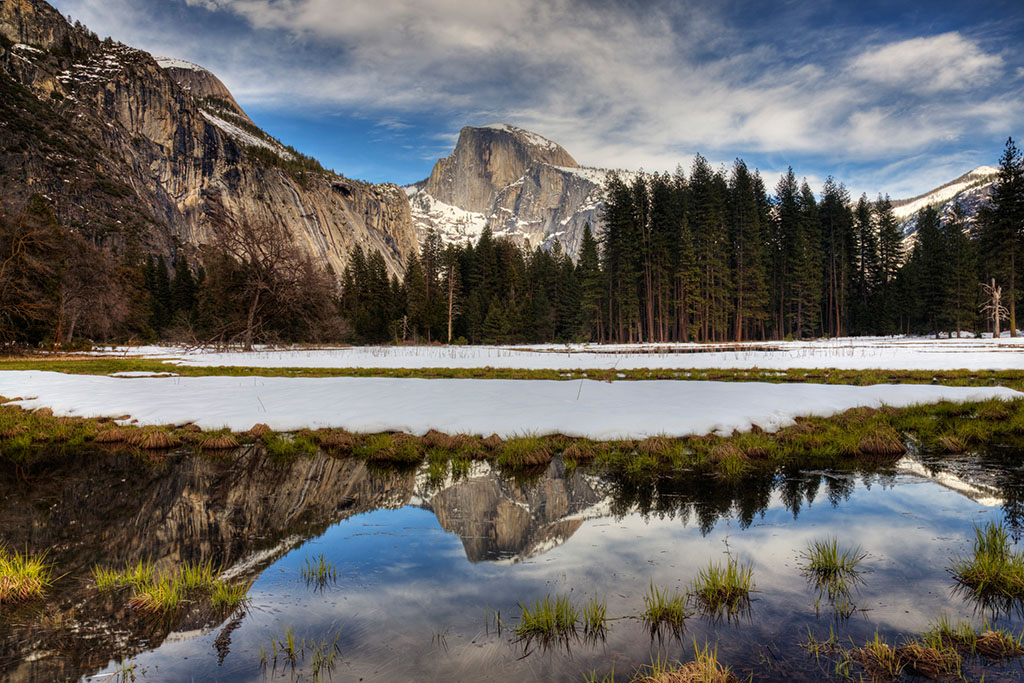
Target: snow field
(598,410)
(882,353)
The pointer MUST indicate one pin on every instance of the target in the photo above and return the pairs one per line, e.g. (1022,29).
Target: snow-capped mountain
(518,182)
(970,190)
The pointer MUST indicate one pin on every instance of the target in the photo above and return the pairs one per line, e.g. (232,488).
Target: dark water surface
(425,563)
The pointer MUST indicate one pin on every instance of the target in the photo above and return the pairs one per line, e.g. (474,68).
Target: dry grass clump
(219,442)
(922,660)
(882,441)
(879,659)
(793,433)
(152,439)
(337,440)
(113,435)
(492,442)
(259,429)
(704,668)
(436,439)
(998,645)
(192,427)
(658,446)
(580,451)
(726,450)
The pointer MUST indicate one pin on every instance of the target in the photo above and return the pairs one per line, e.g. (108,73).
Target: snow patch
(598,410)
(172,63)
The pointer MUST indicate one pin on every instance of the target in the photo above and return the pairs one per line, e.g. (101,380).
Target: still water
(431,567)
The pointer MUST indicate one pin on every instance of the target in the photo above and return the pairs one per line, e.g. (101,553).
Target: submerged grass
(833,570)
(23,576)
(318,571)
(165,593)
(665,611)
(723,590)
(549,619)
(993,572)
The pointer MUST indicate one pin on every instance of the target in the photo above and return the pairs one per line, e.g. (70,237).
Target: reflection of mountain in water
(970,481)
(499,520)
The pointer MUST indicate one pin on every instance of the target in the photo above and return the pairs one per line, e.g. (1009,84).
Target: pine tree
(1002,227)
(747,238)
(963,264)
(934,274)
(590,277)
(890,256)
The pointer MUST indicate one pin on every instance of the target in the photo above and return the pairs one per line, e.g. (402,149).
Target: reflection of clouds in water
(415,581)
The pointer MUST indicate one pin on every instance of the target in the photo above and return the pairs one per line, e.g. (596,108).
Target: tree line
(707,256)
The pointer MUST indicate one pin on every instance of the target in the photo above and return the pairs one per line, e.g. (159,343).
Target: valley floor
(850,353)
(531,404)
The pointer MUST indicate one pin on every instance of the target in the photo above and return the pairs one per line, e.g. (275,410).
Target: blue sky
(892,97)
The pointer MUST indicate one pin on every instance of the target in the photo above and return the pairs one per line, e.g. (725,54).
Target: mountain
(156,155)
(970,190)
(517,182)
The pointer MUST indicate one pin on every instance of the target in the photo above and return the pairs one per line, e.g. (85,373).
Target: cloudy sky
(886,95)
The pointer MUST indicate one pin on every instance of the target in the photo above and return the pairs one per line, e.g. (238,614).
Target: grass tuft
(23,576)
(724,590)
(993,572)
(318,571)
(548,620)
(665,610)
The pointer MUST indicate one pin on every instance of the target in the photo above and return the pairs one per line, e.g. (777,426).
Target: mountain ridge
(161,158)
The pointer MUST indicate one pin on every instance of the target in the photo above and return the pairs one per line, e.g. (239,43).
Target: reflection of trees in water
(704,499)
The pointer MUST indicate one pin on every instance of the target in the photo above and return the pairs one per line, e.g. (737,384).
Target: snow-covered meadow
(854,353)
(600,410)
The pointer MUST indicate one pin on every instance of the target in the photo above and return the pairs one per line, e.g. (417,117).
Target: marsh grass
(318,572)
(862,435)
(834,571)
(964,638)
(524,451)
(548,620)
(703,668)
(595,618)
(665,611)
(723,590)
(285,446)
(290,650)
(166,593)
(23,576)
(228,596)
(994,573)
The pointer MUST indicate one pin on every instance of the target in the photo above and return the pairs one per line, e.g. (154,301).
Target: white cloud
(616,86)
(931,64)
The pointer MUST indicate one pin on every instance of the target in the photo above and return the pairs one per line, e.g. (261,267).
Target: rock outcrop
(520,184)
(157,155)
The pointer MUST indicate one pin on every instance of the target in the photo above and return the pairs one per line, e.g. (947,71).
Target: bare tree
(275,281)
(993,306)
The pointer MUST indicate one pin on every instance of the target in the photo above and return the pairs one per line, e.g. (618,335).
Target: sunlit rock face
(498,520)
(520,184)
(157,152)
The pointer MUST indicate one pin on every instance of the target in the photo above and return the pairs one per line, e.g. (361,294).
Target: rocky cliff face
(517,182)
(132,151)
